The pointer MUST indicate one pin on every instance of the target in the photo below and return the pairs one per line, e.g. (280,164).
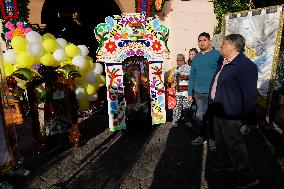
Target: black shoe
(244,185)
(220,169)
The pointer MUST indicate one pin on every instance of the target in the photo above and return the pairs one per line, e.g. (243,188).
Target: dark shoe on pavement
(220,169)
(212,145)
(247,184)
(198,141)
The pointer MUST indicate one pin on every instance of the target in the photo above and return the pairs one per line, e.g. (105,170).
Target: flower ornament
(156,45)
(110,46)
(19,30)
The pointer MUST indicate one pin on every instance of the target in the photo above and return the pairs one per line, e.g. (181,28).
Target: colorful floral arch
(125,36)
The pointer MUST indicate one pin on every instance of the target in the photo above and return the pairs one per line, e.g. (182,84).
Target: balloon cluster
(34,49)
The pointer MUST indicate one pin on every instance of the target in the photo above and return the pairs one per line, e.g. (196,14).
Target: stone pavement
(158,158)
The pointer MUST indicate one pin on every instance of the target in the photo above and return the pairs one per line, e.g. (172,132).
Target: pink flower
(8,35)
(10,26)
(27,30)
(20,25)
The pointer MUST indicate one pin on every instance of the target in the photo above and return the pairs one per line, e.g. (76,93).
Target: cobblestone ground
(158,158)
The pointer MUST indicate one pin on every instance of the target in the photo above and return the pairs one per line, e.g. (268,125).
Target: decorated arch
(132,35)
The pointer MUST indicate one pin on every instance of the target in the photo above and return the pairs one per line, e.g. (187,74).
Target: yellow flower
(250,52)
(18,32)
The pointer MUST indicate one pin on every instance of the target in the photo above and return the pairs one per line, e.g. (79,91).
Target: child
(170,99)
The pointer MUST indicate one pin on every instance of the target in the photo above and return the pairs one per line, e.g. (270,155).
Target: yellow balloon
(47,59)
(90,89)
(90,63)
(48,35)
(49,45)
(67,60)
(71,50)
(84,104)
(8,69)
(19,44)
(24,60)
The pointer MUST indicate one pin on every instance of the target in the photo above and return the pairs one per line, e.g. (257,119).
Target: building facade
(185,19)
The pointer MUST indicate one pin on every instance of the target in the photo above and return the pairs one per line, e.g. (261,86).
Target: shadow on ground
(180,163)
(109,170)
(59,147)
(266,166)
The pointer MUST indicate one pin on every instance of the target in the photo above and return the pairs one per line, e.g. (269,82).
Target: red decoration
(156,45)
(144,6)
(9,9)
(139,6)
(148,8)
(111,46)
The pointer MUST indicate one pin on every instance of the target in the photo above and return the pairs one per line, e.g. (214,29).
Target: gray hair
(237,40)
(181,56)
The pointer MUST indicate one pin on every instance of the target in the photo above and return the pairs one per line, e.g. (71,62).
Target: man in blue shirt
(203,68)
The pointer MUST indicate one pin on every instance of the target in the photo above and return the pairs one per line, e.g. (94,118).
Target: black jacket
(236,91)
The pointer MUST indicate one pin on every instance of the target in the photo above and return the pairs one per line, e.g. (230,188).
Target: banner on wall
(262,29)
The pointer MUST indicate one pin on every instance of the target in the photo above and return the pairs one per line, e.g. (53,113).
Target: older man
(181,75)
(234,91)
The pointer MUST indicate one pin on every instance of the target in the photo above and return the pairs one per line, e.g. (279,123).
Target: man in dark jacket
(234,91)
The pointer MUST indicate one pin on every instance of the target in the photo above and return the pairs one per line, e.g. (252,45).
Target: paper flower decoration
(110,46)
(156,45)
(19,30)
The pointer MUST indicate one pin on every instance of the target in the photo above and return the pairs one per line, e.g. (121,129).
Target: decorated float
(133,48)
(55,75)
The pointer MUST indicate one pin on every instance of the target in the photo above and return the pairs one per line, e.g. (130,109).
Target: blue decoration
(110,21)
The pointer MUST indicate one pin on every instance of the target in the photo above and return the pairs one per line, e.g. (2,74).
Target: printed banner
(262,29)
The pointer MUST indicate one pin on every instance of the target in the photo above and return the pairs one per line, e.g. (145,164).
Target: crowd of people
(223,85)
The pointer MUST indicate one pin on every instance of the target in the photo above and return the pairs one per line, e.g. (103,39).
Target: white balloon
(98,68)
(84,50)
(34,36)
(35,48)
(80,93)
(79,61)
(93,97)
(91,78)
(10,56)
(59,54)
(62,42)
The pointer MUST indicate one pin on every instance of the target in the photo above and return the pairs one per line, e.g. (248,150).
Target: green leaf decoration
(27,74)
(69,71)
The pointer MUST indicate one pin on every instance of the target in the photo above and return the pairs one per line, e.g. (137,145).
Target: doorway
(137,90)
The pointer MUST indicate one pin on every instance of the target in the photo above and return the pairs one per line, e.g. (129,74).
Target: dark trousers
(230,146)
(207,124)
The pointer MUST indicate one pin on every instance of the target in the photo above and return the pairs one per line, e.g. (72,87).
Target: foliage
(222,7)
(23,8)
(14,22)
